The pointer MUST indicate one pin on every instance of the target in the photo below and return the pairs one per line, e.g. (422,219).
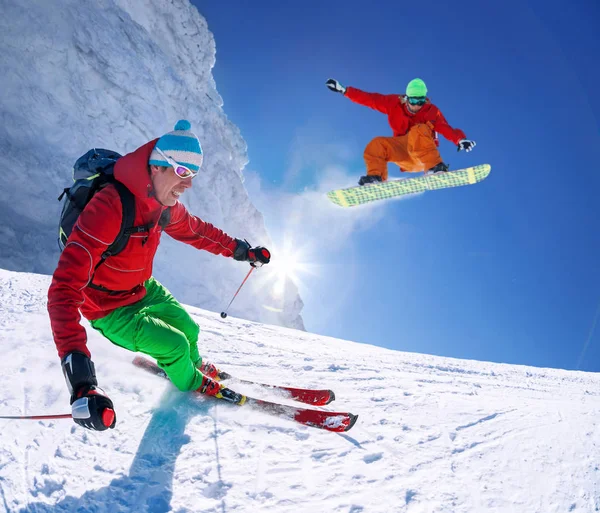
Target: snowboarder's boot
(438,168)
(368,179)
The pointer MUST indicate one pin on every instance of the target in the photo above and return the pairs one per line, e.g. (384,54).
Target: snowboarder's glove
(335,86)
(465,144)
(90,406)
(257,256)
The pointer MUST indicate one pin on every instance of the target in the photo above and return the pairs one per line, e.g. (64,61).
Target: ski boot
(369,179)
(438,168)
(208,369)
(231,396)
(213,388)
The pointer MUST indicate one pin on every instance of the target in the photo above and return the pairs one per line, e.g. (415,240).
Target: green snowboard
(394,188)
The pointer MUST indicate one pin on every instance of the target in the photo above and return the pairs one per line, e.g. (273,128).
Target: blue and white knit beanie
(181,145)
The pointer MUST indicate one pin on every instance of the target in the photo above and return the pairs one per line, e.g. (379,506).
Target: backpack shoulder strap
(127,220)
(125,231)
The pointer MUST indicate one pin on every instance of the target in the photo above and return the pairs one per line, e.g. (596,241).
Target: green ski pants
(160,327)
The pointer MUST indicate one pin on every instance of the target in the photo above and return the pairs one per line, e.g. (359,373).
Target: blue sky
(507,270)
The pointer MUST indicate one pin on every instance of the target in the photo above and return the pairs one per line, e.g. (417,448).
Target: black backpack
(92,172)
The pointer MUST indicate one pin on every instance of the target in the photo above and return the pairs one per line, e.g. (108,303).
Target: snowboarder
(414,121)
(118,295)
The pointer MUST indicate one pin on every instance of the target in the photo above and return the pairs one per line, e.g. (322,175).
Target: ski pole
(37,417)
(224,313)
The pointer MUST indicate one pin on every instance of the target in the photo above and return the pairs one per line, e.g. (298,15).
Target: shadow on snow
(149,485)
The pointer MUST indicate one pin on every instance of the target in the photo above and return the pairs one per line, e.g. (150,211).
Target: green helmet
(416,87)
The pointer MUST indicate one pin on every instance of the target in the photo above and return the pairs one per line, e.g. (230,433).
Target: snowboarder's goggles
(181,171)
(417,100)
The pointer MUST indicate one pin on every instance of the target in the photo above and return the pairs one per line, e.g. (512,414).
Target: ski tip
(353,419)
(331,397)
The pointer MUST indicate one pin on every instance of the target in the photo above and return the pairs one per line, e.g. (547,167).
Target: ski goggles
(181,171)
(417,100)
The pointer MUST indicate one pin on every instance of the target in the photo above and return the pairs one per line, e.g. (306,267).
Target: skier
(120,298)
(414,121)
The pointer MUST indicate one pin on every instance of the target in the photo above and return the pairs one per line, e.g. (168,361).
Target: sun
(288,263)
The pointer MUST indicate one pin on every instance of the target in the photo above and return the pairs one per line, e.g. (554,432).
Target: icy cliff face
(115,74)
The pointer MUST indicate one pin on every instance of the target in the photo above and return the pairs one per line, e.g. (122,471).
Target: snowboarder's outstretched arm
(375,101)
(442,127)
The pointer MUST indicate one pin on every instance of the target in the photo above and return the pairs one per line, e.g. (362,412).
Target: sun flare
(287,265)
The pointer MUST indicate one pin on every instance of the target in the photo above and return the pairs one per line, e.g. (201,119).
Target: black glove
(465,144)
(90,406)
(335,86)
(257,256)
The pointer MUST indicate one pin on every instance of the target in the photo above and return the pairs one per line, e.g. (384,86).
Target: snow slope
(434,434)
(116,74)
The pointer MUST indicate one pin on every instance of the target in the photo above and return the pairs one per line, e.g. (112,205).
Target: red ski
(302,395)
(328,420)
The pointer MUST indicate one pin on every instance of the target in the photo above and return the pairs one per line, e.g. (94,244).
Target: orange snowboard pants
(413,152)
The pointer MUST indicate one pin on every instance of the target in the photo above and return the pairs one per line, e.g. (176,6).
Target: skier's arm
(76,265)
(441,126)
(192,230)
(375,101)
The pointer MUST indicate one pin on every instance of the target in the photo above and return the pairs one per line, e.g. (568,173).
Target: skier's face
(168,187)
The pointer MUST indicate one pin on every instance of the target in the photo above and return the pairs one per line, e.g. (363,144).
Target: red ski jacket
(400,118)
(125,273)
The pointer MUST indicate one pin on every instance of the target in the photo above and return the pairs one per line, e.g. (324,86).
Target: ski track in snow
(433,435)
